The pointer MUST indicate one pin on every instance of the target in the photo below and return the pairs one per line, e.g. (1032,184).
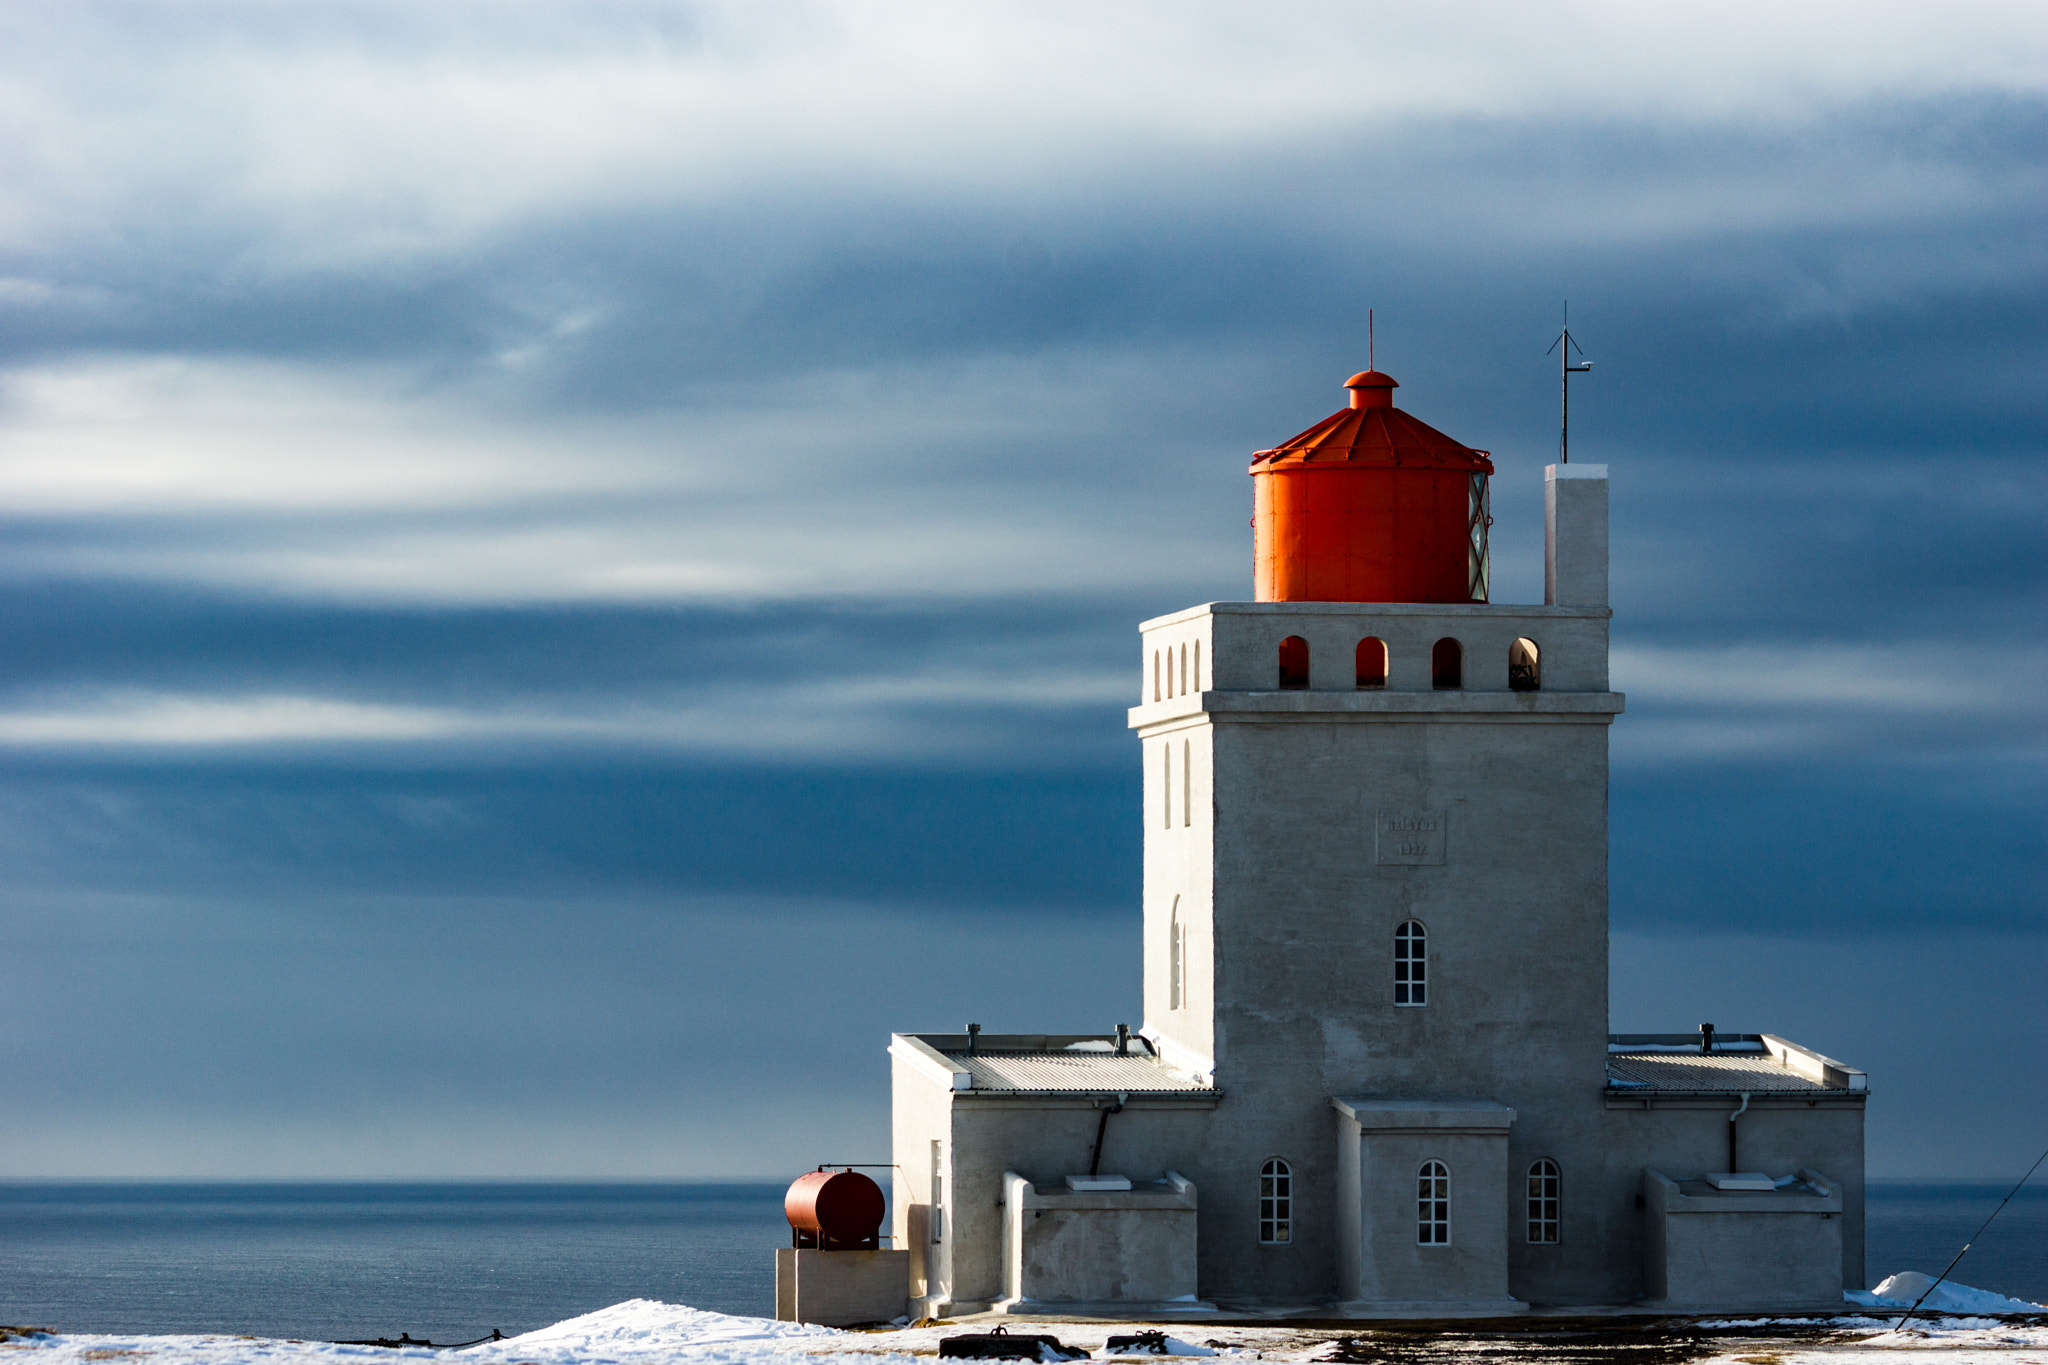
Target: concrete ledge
(1429,1308)
(927,1059)
(1168,1309)
(1534,611)
(1812,1065)
(1375,1115)
(1430,705)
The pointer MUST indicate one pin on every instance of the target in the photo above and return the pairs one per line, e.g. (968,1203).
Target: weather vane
(1564,345)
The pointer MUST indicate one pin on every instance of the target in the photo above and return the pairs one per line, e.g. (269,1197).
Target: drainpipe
(1102,1130)
(1740,1110)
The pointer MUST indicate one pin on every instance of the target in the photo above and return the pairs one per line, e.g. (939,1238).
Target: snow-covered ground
(640,1332)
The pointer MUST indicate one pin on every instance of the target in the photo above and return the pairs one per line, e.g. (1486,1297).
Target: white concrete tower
(1376,877)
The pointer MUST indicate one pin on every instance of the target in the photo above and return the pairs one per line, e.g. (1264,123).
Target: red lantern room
(1370,505)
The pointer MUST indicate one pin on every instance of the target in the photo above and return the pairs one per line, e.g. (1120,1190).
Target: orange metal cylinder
(1370,505)
(839,1207)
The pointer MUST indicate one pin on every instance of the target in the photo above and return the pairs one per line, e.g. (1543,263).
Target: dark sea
(450,1262)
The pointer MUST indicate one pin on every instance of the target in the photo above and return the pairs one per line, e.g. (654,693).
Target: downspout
(1743,1107)
(1102,1131)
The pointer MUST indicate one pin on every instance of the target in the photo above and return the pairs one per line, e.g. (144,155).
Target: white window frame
(1411,964)
(1276,1203)
(1545,1203)
(1433,1204)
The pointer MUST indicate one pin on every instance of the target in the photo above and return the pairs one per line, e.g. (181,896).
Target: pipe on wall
(1739,1111)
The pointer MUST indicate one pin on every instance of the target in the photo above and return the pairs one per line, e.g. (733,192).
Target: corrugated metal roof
(1104,1072)
(1696,1072)
(1377,434)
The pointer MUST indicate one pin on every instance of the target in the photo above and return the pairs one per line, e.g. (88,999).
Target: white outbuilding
(1374,1075)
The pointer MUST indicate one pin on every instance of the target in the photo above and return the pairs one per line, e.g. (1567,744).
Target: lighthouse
(1374,1076)
(1378,832)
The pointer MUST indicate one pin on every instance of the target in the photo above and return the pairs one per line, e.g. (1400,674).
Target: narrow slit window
(1447,664)
(1372,662)
(1176,961)
(1276,1203)
(1433,1204)
(1198,665)
(1187,786)
(1411,964)
(1155,675)
(1293,663)
(1525,668)
(1183,670)
(1543,1202)
(1166,781)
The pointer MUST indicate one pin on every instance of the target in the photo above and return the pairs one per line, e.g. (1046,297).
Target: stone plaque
(1410,838)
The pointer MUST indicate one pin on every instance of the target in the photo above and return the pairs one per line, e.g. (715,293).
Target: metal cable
(1973,1240)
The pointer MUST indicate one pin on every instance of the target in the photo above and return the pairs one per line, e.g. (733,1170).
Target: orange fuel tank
(1370,505)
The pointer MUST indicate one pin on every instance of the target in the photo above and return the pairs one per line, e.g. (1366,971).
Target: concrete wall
(1382,1149)
(1708,1250)
(841,1288)
(1134,1247)
(1575,534)
(1240,644)
(1044,1138)
(1687,1137)
(921,1112)
(1302,939)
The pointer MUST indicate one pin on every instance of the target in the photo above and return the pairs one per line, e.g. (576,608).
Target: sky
(566,568)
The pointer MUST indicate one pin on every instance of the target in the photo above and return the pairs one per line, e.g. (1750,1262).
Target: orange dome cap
(1373,431)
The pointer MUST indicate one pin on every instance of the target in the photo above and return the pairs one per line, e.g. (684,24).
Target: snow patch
(640,1328)
(1904,1289)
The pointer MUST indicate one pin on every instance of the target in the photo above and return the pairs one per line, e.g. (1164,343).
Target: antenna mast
(1565,345)
(1370,362)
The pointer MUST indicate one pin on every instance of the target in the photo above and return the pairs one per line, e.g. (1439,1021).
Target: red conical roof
(1372,431)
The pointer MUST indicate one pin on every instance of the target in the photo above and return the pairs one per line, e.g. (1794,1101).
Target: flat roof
(1036,1064)
(1738,1063)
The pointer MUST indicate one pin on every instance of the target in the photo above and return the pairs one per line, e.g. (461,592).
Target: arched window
(1411,964)
(1276,1202)
(1447,664)
(1183,670)
(1525,669)
(1198,665)
(1433,1204)
(1166,783)
(1187,787)
(1176,961)
(1155,675)
(1293,663)
(1372,662)
(1543,1190)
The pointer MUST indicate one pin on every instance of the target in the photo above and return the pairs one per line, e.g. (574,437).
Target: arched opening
(1411,964)
(1155,675)
(1372,662)
(1183,670)
(1276,1202)
(1525,667)
(1543,1202)
(1293,663)
(1433,1204)
(1447,664)
(1198,665)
